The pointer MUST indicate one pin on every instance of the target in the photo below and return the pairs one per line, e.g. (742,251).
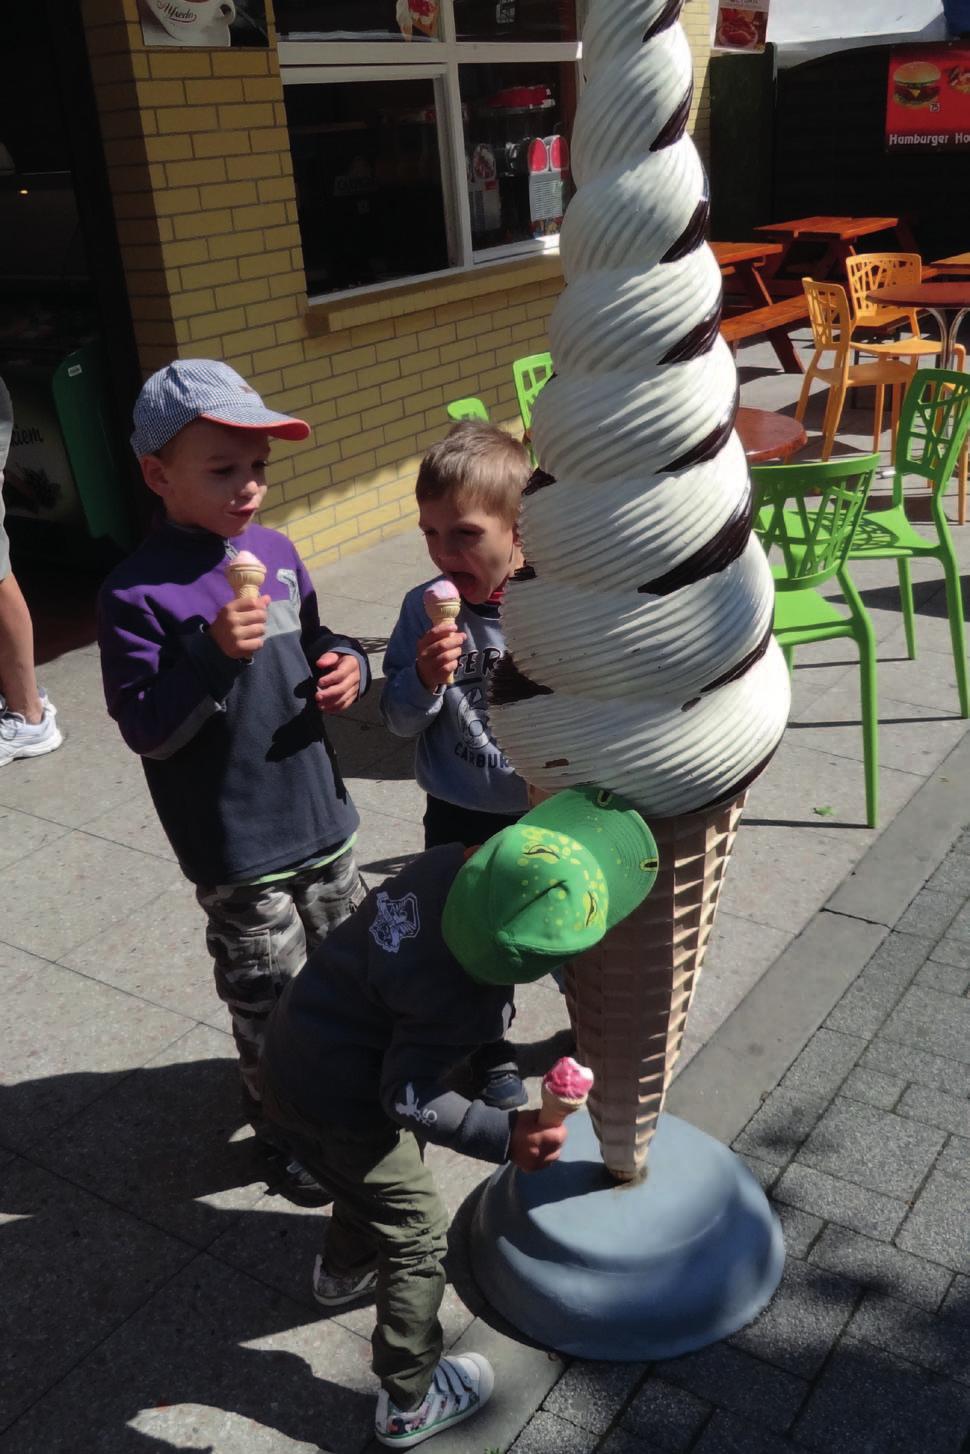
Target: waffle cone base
(628,999)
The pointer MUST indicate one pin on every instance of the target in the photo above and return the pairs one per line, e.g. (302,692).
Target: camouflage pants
(259,936)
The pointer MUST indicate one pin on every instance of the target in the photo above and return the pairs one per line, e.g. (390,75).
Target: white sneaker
(461,1385)
(333,1291)
(20,738)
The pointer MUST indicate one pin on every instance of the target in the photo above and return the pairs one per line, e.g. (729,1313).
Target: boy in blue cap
(359,1048)
(225,698)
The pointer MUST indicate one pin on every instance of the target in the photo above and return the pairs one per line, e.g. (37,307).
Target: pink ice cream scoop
(564,1090)
(442,603)
(439,592)
(245,573)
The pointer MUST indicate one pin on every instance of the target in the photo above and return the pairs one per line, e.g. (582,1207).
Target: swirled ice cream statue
(640,658)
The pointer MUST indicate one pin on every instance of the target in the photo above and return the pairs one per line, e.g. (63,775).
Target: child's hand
(439,652)
(531,1146)
(239,630)
(339,684)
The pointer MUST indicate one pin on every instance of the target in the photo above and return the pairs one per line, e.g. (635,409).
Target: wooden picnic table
(839,236)
(744,261)
(957,266)
(769,437)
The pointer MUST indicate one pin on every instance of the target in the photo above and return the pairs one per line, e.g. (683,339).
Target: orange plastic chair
(867,272)
(832,325)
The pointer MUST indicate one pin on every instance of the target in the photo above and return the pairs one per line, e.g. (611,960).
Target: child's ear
(153,473)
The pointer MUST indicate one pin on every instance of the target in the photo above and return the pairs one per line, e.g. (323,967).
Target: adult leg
(17,679)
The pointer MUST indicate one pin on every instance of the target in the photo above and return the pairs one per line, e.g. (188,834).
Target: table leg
(949,328)
(904,236)
(774,264)
(752,283)
(951,337)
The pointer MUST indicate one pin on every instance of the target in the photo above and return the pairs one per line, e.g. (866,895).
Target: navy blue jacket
(239,765)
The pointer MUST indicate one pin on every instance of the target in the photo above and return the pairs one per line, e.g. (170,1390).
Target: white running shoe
(20,738)
(333,1290)
(461,1385)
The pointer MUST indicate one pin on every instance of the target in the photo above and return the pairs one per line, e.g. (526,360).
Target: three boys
(345,1061)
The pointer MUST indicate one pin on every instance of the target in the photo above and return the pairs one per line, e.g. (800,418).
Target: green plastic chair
(531,374)
(933,426)
(814,536)
(460,409)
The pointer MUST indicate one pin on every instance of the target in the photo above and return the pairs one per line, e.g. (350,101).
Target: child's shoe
(503,1088)
(291,1179)
(333,1290)
(461,1385)
(20,738)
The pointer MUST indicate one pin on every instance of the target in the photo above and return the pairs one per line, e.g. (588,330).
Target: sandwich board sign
(928,98)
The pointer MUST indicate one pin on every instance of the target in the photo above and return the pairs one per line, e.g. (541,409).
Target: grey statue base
(651,1269)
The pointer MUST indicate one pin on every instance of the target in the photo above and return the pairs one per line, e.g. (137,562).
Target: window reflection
(368,179)
(359,19)
(548,20)
(517,120)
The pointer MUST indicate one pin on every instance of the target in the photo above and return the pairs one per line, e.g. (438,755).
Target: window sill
(413,297)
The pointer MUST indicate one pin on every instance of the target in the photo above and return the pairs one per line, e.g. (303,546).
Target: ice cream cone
(554,1109)
(565,1089)
(246,578)
(628,998)
(439,611)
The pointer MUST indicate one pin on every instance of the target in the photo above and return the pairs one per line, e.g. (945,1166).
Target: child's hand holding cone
(239,630)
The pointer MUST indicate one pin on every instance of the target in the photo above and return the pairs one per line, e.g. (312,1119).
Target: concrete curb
(747,1055)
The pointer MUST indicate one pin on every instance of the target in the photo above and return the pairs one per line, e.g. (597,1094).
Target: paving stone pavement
(864,1148)
(154,1296)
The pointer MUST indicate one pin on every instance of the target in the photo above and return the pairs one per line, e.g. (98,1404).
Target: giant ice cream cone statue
(640,648)
(628,998)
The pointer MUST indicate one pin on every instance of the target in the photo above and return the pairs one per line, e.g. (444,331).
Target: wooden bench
(772,321)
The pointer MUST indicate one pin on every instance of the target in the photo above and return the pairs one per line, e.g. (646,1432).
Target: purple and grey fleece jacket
(239,766)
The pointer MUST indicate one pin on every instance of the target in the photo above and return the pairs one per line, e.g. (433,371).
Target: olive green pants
(386,1211)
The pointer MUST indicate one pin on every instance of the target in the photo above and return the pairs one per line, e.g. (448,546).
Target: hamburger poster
(928,98)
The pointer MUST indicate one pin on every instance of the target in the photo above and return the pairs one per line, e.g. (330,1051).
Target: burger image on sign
(917,83)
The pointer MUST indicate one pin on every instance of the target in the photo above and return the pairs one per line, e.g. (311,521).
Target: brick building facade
(199,164)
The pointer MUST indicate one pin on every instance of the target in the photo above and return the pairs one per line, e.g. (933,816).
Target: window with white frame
(428,136)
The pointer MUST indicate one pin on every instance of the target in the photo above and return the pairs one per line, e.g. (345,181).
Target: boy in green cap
(361,1042)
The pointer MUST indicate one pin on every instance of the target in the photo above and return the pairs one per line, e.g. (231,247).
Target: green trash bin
(68,489)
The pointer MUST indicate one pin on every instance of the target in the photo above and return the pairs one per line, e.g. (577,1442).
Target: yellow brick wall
(199,166)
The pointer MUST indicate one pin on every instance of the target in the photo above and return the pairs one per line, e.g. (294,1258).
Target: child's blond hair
(479,465)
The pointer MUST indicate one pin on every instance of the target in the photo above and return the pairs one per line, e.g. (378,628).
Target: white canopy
(802,31)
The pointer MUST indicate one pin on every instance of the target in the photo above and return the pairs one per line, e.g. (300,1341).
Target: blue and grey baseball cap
(202,388)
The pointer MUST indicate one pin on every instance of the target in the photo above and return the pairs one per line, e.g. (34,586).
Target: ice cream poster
(212,24)
(928,99)
(741,27)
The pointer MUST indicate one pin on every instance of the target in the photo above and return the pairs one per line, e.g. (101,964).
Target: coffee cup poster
(928,99)
(212,24)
